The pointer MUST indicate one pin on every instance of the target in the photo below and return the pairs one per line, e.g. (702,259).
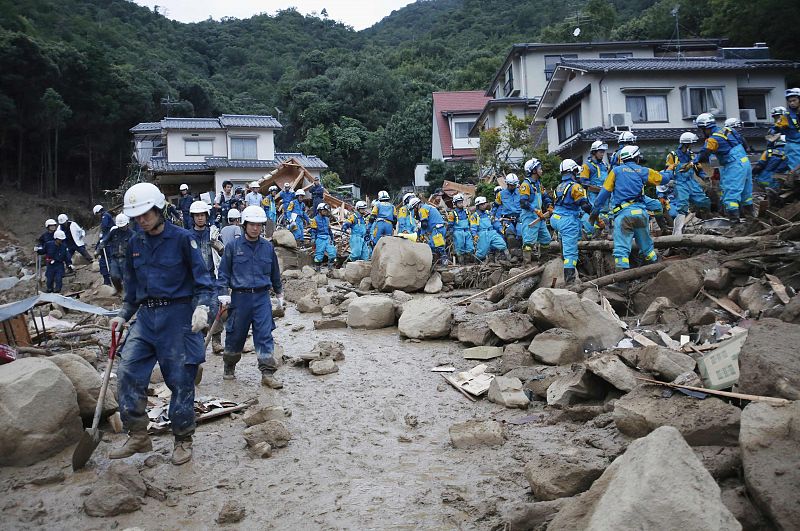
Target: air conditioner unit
(620,121)
(747,115)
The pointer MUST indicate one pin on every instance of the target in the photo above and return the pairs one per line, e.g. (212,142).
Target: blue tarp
(12,309)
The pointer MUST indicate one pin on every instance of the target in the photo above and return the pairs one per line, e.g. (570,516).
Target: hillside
(76,74)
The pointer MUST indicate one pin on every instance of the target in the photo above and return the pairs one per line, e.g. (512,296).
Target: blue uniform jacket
(773,161)
(185,203)
(321,226)
(46,236)
(166,266)
(317,193)
(720,143)
(627,181)
(788,124)
(56,253)
(247,264)
(429,217)
(286,198)
(116,241)
(106,222)
(508,203)
(530,189)
(570,196)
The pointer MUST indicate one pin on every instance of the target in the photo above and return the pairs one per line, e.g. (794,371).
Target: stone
(365,284)
(652,315)
(39,414)
(309,304)
(661,361)
(329,324)
(510,326)
(718,278)
(537,379)
(259,415)
(232,511)
(507,392)
(87,383)
(480,307)
(557,346)
(434,284)
(482,353)
(768,362)
(613,370)
(331,310)
(323,367)
(308,272)
(277,311)
(296,289)
(791,312)
(326,349)
(477,433)
(722,462)
(287,259)
(769,439)
(126,475)
(708,422)
(291,273)
(426,318)
(401,264)
(371,312)
(679,281)
(529,516)
(657,483)
(110,499)
(738,502)
(401,297)
(553,270)
(756,298)
(284,238)
(514,355)
(56,314)
(321,280)
(475,331)
(560,308)
(579,386)
(261,450)
(565,473)
(355,271)
(699,314)
(271,431)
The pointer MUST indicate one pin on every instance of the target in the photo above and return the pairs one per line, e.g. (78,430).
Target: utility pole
(677,29)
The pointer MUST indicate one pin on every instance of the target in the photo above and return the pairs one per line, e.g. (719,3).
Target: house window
(550,62)
(197,148)
(697,100)
(569,124)
(243,149)
(647,108)
(616,55)
(754,101)
(509,86)
(461,129)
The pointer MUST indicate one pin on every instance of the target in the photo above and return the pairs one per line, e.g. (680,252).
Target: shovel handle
(112,352)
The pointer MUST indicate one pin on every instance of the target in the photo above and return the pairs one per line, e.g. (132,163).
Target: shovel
(199,376)
(91,437)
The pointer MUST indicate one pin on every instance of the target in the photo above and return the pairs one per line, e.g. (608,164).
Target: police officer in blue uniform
(184,204)
(163,272)
(458,224)
(106,222)
(322,236)
(249,268)
(570,200)
(115,245)
(56,258)
(508,208)
(383,217)
(358,227)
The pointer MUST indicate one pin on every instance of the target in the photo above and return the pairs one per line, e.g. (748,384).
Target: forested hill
(76,74)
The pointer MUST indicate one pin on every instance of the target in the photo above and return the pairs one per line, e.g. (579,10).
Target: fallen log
(693,241)
(727,394)
(529,273)
(621,276)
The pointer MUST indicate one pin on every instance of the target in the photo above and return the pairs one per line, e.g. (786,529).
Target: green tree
(405,142)
(54,114)
(496,153)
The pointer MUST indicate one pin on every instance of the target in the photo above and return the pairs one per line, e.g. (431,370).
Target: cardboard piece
(719,368)
(474,381)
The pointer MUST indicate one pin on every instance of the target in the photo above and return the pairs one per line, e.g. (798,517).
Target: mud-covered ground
(370,449)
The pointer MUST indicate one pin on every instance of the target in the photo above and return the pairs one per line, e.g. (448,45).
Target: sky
(358,14)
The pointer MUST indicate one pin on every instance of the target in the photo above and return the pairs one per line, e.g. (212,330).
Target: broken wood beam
(694,241)
(528,273)
(726,304)
(727,394)
(621,276)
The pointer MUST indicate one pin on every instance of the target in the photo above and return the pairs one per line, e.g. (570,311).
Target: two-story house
(454,115)
(204,152)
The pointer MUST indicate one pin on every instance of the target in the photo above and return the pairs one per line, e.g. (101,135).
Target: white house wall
(436,143)
(265,146)
(176,150)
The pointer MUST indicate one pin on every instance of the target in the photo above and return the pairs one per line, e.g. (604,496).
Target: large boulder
(557,346)
(39,414)
(425,319)
(613,370)
(560,308)
(401,264)
(284,238)
(661,361)
(477,433)
(567,472)
(371,312)
(553,274)
(768,362)
(510,326)
(708,422)
(87,383)
(769,439)
(355,272)
(475,331)
(679,282)
(578,386)
(309,304)
(658,483)
(295,289)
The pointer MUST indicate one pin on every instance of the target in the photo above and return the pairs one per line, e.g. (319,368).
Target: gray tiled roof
(146,127)
(190,123)
(657,63)
(160,164)
(224,162)
(249,120)
(311,162)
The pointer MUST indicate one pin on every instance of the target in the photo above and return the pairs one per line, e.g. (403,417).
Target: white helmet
(286,185)
(531,165)
(406,197)
(234,214)
(97,208)
(792,92)
(49,222)
(141,197)
(414,202)
(599,145)
(301,193)
(255,184)
(62,218)
(733,122)
(497,189)
(629,153)
(688,138)
(383,195)
(254,214)
(273,188)
(778,111)
(324,206)
(360,205)
(184,187)
(121,220)
(199,207)
(569,166)
(480,200)
(374,202)
(780,141)
(59,235)
(458,198)
(512,179)
(626,137)
(705,119)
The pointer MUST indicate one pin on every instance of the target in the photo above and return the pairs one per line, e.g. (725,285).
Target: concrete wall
(436,143)
(176,150)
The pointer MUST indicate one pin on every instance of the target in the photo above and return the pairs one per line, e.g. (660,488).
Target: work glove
(119,322)
(199,318)
(593,217)
(280,301)
(224,300)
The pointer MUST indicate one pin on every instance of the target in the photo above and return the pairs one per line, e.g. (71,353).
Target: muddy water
(355,460)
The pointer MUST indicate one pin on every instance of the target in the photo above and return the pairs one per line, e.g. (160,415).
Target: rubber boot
(569,276)
(526,255)
(747,211)
(230,359)
(317,267)
(268,380)
(182,451)
(662,225)
(138,443)
(733,215)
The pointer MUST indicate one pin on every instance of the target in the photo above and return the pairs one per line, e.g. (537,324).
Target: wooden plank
(727,394)
(639,338)
(524,274)
(778,288)
(726,304)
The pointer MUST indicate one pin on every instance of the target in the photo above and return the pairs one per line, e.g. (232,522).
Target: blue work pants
(246,310)
(381,228)
(54,274)
(489,240)
(629,223)
(462,241)
(569,230)
(689,192)
(538,233)
(359,246)
(324,246)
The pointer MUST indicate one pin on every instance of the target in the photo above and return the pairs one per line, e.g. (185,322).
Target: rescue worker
(592,176)
(735,171)
(535,207)
(296,216)
(207,238)
(56,258)
(772,136)
(223,203)
(383,217)
(106,223)
(485,237)
(163,272)
(357,225)
(507,213)
(286,196)
(50,227)
(773,160)
(254,197)
(75,235)
(624,185)
(249,268)
(233,229)
(625,138)
(493,205)
(317,192)
(687,190)
(734,125)
(269,203)
(184,203)
(458,224)
(322,235)
(115,244)
(570,200)
(432,227)
(406,224)
(788,124)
